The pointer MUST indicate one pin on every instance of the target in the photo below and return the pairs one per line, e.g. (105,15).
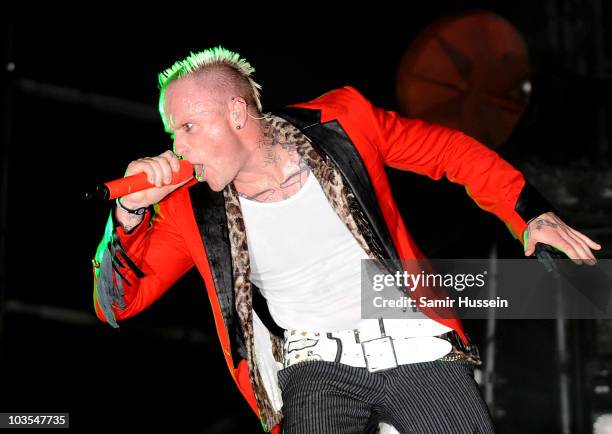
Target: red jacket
(359,139)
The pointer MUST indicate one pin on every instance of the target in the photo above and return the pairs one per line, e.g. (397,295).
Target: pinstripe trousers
(325,397)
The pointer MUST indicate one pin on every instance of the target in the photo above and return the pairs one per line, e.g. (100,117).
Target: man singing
(283,207)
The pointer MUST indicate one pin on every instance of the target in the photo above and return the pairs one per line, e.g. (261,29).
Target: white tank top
(306,262)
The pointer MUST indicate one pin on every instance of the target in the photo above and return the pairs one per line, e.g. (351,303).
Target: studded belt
(386,349)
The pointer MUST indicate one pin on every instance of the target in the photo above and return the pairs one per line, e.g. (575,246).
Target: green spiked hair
(200,61)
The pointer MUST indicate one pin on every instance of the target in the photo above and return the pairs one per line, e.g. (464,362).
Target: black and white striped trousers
(326,397)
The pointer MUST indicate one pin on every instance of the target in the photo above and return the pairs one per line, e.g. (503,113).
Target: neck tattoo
(273,140)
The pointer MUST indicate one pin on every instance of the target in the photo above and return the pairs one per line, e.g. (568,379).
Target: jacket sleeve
(133,269)
(435,151)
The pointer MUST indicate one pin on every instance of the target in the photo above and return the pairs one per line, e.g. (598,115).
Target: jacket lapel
(209,210)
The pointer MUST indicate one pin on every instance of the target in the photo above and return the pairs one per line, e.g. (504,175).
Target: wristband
(137,211)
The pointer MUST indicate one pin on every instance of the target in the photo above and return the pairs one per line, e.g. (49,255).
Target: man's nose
(178,148)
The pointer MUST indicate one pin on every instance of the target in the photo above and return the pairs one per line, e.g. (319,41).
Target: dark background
(79,103)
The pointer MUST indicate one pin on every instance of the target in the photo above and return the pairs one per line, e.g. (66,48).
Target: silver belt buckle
(379,354)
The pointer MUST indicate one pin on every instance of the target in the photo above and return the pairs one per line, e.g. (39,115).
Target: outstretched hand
(549,229)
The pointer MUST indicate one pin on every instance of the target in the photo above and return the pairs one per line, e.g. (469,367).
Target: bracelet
(137,211)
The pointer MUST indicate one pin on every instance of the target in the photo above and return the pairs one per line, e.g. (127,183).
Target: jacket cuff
(531,203)
(114,269)
(144,223)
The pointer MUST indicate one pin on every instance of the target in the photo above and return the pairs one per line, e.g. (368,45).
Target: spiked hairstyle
(209,59)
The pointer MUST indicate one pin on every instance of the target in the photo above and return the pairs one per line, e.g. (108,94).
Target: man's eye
(188,126)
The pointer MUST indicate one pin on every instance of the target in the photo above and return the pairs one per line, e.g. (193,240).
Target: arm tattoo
(130,221)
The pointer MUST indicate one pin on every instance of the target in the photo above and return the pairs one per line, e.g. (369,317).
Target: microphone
(137,182)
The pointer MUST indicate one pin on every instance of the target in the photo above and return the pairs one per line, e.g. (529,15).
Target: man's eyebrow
(171,131)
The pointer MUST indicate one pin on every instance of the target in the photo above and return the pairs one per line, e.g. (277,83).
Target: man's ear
(238,108)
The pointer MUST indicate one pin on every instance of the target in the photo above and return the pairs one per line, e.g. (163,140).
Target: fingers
(589,242)
(163,165)
(583,253)
(568,249)
(577,250)
(554,232)
(529,243)
(529,247)
(172,160)
(159,169)
(580,245)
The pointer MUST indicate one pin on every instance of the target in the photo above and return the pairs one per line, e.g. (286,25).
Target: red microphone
(137,182)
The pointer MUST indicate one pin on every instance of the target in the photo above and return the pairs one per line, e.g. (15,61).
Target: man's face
(203,132)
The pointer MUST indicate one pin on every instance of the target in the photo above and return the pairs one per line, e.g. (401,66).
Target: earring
(238,127)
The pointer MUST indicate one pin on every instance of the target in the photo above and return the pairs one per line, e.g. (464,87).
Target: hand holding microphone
(147,181)
(162,175)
